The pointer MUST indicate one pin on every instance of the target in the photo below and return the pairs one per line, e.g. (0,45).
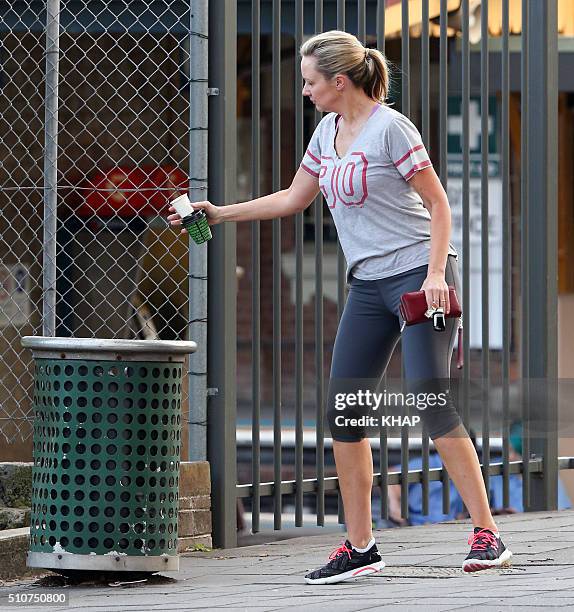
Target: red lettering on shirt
(346,182)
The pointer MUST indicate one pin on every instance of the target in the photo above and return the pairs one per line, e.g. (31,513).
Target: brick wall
(194,519)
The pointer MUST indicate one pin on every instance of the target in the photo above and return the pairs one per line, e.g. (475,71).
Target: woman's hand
(213,214)
(436,291)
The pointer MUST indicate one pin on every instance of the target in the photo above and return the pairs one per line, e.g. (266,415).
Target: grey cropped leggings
(369,330)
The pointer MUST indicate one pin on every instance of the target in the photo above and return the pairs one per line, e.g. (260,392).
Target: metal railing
(436,66)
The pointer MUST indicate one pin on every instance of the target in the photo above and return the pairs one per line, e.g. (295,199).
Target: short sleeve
(406,148)
(311,161)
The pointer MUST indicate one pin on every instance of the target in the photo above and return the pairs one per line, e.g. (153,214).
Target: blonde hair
(337,52)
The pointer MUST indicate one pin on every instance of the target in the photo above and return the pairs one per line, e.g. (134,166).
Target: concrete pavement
(423,570)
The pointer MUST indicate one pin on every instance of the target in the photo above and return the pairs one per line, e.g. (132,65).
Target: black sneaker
(486,550)
(347,564)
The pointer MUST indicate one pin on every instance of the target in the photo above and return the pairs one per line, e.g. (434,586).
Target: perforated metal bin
(107,442)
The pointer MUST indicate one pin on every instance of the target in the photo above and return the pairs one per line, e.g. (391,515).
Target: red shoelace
(482,539)
(341,550)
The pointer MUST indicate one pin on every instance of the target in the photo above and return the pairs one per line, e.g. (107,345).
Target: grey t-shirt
(382,225)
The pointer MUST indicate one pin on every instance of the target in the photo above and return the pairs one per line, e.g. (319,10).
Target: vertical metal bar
(341,280)
(197,258)
(318,218)
(525,256)
(381,25)
(484,246)
(443,53)
(341,275)
(383,442)
(506,258)
(425,81)
(298,277)
(222,298)
(405,109)
(384,465)
(51,167)
(362,21)
(425,116)
(405,59)
(466,208)
(341,15)
(276,146)
(404,470)
(425,484)
(255,264)
(443,92)
(542,179)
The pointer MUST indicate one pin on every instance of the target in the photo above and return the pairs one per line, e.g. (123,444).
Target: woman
(393,221)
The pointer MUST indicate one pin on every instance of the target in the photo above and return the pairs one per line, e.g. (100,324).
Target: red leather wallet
(413,306)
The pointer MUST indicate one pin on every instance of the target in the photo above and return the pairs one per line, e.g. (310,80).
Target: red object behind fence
(132,192)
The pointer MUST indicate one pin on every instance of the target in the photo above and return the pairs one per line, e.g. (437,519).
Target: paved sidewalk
(423,570)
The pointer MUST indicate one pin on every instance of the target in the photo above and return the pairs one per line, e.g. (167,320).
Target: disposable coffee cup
(197,226)
(194,221)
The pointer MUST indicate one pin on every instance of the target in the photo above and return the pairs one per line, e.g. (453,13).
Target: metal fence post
(222,299)
(540,298)
(51,167)
(198,66)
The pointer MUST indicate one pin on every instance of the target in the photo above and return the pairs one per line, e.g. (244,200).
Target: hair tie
(366,53)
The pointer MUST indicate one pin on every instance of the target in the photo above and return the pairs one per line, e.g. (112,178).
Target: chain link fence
(120,119)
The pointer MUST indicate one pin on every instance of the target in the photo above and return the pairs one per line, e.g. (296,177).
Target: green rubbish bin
(107,443)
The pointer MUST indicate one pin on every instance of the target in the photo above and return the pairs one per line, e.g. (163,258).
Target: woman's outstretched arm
(298,196)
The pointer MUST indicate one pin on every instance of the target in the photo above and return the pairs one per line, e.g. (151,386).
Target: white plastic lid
(182,206)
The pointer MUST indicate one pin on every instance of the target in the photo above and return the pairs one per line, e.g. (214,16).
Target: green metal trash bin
(107,443)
